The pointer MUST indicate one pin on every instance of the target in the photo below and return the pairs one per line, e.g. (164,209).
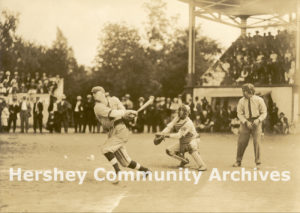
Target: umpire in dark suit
(38,115)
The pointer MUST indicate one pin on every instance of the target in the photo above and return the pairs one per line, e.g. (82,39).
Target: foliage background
(141,62)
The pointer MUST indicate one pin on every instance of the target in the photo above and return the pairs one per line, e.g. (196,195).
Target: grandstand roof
(246,7)
(259,13)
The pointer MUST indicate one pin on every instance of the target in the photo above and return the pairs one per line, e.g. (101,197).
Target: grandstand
(271,62)
(30,85)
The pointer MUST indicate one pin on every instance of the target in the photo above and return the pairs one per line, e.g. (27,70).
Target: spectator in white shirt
(4,117)
(25,113)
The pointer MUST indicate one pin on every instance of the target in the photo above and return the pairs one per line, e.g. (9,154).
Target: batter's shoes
(183,163)
(237,164)
(145,173)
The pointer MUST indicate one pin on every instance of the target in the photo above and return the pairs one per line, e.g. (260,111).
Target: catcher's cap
(185,108)
(79,98)
(98,89)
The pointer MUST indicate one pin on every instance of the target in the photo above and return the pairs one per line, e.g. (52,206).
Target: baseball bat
(145,105)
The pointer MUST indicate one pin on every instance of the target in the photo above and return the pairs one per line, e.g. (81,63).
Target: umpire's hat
(249,88)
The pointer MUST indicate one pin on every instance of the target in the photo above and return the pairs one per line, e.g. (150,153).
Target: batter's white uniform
(118,132)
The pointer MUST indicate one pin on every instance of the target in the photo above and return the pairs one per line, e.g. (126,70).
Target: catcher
(111,113)
(185,131)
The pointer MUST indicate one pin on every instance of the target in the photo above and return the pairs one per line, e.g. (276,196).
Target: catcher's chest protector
(179,125)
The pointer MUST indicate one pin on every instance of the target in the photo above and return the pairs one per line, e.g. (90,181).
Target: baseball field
(82,152)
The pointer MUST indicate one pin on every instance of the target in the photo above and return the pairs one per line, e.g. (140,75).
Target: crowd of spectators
(278,121)
(79,114)
(260,59)
(13,83)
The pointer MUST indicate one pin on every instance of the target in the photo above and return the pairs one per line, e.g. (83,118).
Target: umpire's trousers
(243,140)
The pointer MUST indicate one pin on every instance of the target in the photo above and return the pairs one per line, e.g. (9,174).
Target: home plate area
(79,153)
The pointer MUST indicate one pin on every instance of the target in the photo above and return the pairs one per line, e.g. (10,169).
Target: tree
(168,49)
(175,65)
(122,64)
(60,56)
(8,25)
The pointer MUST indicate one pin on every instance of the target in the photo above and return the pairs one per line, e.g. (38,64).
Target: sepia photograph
(149,106)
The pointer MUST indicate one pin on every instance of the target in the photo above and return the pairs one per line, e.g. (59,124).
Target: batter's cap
(97,89)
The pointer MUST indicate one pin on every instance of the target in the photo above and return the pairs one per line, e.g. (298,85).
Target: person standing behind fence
(89,115)
(63,107)
(4,117)
(14,109)
(1,108)
(25,113)
(140,122)
(78,114)
(251,111)
(38,115)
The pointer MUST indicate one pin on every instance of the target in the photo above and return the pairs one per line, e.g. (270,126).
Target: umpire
(251,111)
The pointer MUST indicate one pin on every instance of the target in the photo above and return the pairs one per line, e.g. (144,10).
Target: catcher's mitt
(158,139)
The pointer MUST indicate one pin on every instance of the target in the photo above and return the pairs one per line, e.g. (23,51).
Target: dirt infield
(70,152)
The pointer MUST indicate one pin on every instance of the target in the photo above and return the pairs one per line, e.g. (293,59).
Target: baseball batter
(182,128)
(111,113)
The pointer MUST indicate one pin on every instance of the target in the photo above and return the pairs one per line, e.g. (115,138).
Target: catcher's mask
(183,111)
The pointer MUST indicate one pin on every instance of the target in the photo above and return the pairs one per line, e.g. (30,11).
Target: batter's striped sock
(112,159)
(135,165)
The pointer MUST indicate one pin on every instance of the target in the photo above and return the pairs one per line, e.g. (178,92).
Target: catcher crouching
(182,128)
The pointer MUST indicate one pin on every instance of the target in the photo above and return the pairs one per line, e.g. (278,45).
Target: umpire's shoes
(258,166)
(183,163)
(202,168)
(237,164)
